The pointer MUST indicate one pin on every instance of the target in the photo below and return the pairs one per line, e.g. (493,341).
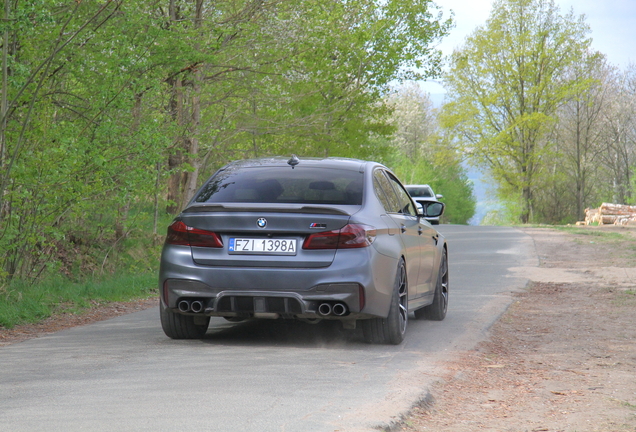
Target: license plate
(262,246)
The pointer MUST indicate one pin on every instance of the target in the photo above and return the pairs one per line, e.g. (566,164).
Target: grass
(88,265)
(22,303)
(603,235)
(624,298)
(624,403)
(599,235)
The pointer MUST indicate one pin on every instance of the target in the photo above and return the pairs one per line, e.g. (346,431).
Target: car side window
(405,202)
(385,192)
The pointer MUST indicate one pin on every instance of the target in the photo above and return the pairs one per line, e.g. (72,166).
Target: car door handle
(420,230)
(403,228)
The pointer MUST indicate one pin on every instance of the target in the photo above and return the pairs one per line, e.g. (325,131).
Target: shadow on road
(283,333)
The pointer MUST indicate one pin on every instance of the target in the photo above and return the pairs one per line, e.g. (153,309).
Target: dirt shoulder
(563,358)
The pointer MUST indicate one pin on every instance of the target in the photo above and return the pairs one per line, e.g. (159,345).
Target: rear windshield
(419,191)
(301,185)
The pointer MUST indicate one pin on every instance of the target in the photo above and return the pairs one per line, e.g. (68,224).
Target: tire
(436,311)
(178,326)
(392,329)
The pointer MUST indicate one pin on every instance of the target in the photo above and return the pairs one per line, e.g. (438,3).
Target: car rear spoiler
(274,208)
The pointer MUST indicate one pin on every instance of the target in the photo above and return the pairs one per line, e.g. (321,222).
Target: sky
(613,25)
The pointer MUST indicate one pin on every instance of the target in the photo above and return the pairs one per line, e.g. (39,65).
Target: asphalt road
(124,374)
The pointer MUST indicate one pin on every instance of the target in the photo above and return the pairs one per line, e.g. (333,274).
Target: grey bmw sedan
(306,239)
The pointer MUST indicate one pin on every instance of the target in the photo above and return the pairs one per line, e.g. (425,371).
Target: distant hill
(483,194)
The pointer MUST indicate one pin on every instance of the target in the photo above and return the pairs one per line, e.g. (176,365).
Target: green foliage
(72,149)
(449,180)
(505,86)
(507,213)
(323,98)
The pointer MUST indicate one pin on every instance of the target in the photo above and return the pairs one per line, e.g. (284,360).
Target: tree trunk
(182,185)
(192,177)
(176,158)
(5,86)
(526,213)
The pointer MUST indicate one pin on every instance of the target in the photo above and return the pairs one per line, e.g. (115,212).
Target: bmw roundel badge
(261,222)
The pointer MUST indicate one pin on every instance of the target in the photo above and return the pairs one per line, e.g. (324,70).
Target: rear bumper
(318,302)
(359,279)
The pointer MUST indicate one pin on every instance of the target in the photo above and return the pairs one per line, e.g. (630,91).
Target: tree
(419,155)
(414,119)
(279,77)
(619,138)
(574,177)
(72,153)
(505,87)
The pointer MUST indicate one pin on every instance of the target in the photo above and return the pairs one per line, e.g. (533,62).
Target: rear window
(419,191)
(301,185)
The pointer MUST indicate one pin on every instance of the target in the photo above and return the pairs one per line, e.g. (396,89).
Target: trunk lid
(268,235)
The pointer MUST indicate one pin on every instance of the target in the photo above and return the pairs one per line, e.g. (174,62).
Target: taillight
(349,237)
(181,234)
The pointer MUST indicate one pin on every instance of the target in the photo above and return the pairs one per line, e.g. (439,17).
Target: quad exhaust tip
(324,309)
(338,309)
(195,306)
(184,306)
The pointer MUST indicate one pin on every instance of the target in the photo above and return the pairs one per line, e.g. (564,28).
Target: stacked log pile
(611,214)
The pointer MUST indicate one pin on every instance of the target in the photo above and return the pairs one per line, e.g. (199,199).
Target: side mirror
(430,209)
(434,209)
